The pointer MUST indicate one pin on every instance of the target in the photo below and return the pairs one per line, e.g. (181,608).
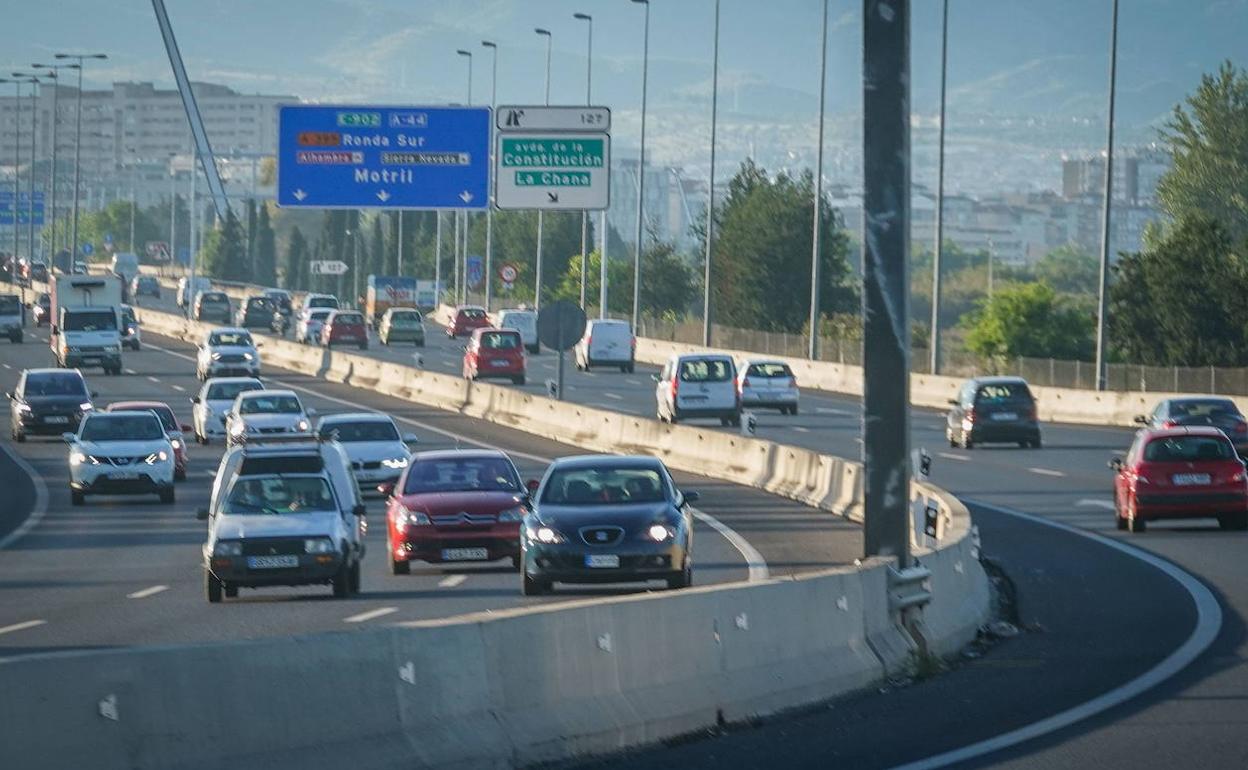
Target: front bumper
(312,569)
(431,545)
(638,561)
(147,481)
(33,422)
(107,359)
(218,369)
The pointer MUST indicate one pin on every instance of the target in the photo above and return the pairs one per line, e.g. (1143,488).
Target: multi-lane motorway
(117,573)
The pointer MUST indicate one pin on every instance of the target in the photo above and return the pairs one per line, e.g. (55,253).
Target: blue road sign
(476,270)
(24,207)
(343,156)
(87,249)
(23,217)
(184,255)
(108,239)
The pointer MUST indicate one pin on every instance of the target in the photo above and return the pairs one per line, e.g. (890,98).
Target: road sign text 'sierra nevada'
(339,156)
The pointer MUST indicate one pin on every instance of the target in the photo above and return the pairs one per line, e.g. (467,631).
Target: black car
(1215,411)
(256,313)
(42,309)
(993,410)
(48,401)
(212,306)
(145,285)
(607,519)
(37,271)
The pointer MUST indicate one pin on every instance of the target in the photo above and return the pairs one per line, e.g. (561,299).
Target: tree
(1179,302)
(515,241)
(296,264)
(668,284)
(1208,143)
(1069,269)
(375,264)
(266,250)
(225,251)
(113,221)
(761,261)
(1030,320)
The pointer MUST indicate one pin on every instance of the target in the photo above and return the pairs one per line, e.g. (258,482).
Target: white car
(266,413)
(227,352)
(213,404)
(311,319)
(698,385)
(379,454)
(188,289)
(523,321)
(120,453)
(607,342)
(327,301)
(766,383)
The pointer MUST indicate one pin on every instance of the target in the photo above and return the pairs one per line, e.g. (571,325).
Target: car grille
(602,535)
(369,466)
(121,462)
(273,546)
(464,519)
(273,430)
(231,358)
(93,349)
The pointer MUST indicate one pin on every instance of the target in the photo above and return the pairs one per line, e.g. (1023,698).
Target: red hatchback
(169,422)
(1180,473)
(467,318)
(495,353)
(344,327)
(455,506)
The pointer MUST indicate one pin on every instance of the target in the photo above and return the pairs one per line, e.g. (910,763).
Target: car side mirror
(655,377)
(1115,464)
(185,428)
(691,496)
(1140,419)
(411,438)
(387,489)
(359,510)
(194,399)
(202,514)
(952,402)
(259,344)
(532,485)
(55,332)
(69,438)
(95,394)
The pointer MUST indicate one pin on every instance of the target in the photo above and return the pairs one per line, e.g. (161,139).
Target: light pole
(173,212)
(537,281)
(589,77)
(940,193)
(34,81)
(54,71)
(816,229)
(489,209)
(464,217)
(133,152)
(710,198)
(17,159)
(1103,296)
(81,58)
(641,168)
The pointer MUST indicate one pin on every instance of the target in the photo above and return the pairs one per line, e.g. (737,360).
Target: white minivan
(523,321)
(607,342)
(698,385)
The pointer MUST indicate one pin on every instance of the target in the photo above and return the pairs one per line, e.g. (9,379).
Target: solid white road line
(178,388)
(1208,624)
(150,378)
(829,410)
(6,366)
(21,626)
(614,396)
(754,560)
(1046,472)
(41,499)
(952,456)
(800,429)
(1106,504)
(146,592)
(377,613)
(451,581)
(631,381)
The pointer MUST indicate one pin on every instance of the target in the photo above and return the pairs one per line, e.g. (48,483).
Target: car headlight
(248,357)
(395,463)
(318,545)
(406,517)
(216,356)
(73,348)
(660,533)
(544,534)
(156,457)
(228,548)
(510,515)
(77,458)
(86,406)
(303,425)
(237,428)
(23,407)
(175,443)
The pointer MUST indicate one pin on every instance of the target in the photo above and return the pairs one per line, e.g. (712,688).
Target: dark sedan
(42,309)
(256,313)
(607,519)
(993,410)
(1191,411)
(48,401)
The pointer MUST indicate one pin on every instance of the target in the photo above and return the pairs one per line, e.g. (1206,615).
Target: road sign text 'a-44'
(336,156)
(552,158)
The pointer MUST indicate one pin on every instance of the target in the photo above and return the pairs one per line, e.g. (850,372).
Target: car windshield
(500,341)
(603,486)
(1002,393)
(90,321)
(67,384)
(259,303)
(215,298)
(1175,449)
(270,404)
(279,494)
(228,391)
(705,370)
(405,319)
(10,305)
(241,339)
(122,427)
(350,319)
(518,320)
(323,302)
(371,430)
(769,370)
(320,315)
(463,474)
(474,313)
(167,420)
(1204,407)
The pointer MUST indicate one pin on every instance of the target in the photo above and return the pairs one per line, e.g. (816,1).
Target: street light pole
(489,209)
(589,77)
(641,168)
(17,161)
(464,215)
(1103,295)
(34,82)
(934,365)
(54,71)
(710,198)
(81,58)
(537,281)
(816,250)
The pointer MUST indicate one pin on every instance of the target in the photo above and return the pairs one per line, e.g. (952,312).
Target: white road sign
(327,267)
(543,118)
(551,170)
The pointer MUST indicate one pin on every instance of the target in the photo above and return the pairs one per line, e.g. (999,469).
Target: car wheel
(735,421)
(516,562)
(19,437)
(167,496)
(179,474)
(231,591)
(137,345)
(1036,444)
(672,419)
(632,368)
(723,422)
(1136,524)
(363,346)
(533,586)
(212,587)
(1234,522)
(76,497)
(518,380)
(420,343)
(342,582)
(684,580)
(400,567)
(967,443)
(354,578)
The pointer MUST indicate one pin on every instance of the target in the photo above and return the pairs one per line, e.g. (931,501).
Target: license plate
(56,420)
(599,560)
(272,562)
(1005,416)
(90,360)
(498,362)
(465,554)
(1189,479)
(123,475)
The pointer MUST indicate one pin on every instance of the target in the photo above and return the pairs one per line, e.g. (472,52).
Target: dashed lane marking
(21,626)
(952,456)
(451,581)
(150,378)
(146,592)
(370,615)
(613,396)
(800,429)
(1046,472)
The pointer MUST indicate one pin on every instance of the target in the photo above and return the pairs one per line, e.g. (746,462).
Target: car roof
(233,380)
(753,361)
(468,307)
(607,461)
(1209,397)
(356,417)
(702,354)
(122,413)
(483,330)
(525,310)
(1183,430)
(267,392)
(609,321)
(130,406)
(229,330)
(450,454)
(55,370)
(1000,380)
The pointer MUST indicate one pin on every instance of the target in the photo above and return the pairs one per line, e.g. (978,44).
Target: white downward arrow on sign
(465,196)
(300,195)
(383,196)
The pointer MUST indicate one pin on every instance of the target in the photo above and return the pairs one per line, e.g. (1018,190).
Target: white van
(523,321)
(607,342)
(187,290)
(698,385)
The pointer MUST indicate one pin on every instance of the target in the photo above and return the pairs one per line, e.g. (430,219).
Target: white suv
(378,452)
(698,385)
(120,453)
(213,404)
(227,352)
(260,413)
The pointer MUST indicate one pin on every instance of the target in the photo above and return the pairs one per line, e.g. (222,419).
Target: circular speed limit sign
(508,272)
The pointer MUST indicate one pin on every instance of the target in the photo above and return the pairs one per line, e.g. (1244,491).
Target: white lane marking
(41,499)
(1106,504)
(451,581)
(615,396)
(178,388)
(952,456)
(131,371)
(150,378)
(377,613)
(829,410)
(21,626)
(753,559)
(1208,624)
(800,429)
(6,366)
(1046,472)
(146,592)
(632,381)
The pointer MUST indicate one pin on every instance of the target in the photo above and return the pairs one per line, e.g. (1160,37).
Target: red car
(1180,473)
(173,429)
(467,318)
(344,327)
(494,353)
(455,506)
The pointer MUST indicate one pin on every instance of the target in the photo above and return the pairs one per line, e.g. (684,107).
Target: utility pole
(537,280)
(641,168)
(489,209)
(934,365)
(589,77)
(710,198)
(816,233)
(1103,294)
